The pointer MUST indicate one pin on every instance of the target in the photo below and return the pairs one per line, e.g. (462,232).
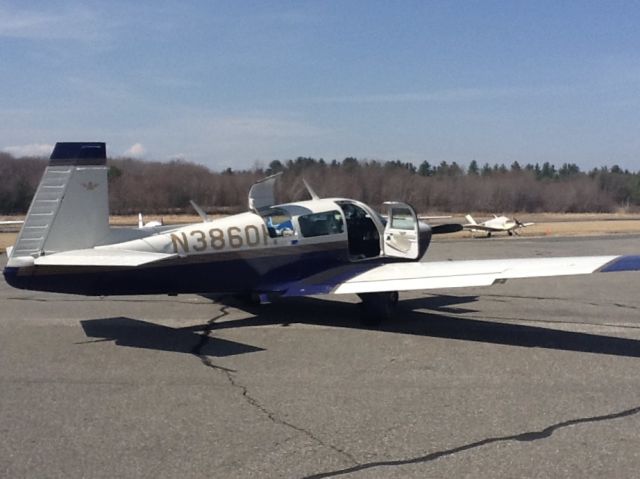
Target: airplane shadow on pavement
(135,333)
(439,321)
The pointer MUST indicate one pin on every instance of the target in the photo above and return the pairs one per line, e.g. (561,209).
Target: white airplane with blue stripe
(495,225)
(320,246)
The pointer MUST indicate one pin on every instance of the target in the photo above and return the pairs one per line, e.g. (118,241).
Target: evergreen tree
(442,169)
(548,170)
(275,166)
(425,169)
(350,163)
(455,170)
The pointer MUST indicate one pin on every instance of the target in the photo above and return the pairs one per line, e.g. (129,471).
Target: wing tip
(622,263)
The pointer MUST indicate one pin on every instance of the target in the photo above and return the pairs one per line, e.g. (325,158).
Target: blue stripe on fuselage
(235,274)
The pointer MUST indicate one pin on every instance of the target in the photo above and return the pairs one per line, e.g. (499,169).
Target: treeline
(19,179)
(161,188)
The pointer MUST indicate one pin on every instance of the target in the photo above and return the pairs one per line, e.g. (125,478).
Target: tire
(377,307)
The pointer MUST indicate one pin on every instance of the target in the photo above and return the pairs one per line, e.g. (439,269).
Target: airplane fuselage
(247,252)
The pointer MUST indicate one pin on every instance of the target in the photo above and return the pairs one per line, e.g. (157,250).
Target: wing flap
(101,257)
(458,274)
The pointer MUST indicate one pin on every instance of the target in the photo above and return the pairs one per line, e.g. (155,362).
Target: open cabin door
(401,239)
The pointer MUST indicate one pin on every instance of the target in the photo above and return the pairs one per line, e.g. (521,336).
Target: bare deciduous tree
(154,187)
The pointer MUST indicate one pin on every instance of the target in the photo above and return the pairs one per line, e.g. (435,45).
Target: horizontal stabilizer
(101,257)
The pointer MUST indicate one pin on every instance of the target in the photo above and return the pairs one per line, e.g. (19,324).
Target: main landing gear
(377,307)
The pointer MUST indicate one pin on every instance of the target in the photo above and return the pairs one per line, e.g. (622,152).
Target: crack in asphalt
(522,437)
(625,306)
(252,401)
(204,337)
(276,420)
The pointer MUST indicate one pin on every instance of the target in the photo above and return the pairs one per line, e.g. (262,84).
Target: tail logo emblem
(90,185)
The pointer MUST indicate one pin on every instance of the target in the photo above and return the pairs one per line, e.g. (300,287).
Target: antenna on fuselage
(200,211)
(314,195)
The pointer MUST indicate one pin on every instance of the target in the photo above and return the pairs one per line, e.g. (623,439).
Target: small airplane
(317,246)
(149,224)
(495,225)
(11,222)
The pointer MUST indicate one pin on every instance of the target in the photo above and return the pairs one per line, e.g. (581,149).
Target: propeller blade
(446,228)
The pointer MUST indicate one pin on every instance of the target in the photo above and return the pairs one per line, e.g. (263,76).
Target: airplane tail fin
(70,209)
(470,220)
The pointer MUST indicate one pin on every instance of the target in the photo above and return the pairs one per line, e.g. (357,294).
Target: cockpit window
(321,224)
(402,219)
(278,223)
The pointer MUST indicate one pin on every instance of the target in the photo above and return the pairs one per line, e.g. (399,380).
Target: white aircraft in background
(495,225)
(11,222)
(318,246)
(148,224)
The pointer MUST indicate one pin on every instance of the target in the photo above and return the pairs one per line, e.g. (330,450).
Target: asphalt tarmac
(532,378)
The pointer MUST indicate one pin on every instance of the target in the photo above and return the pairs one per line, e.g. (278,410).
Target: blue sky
(231,83)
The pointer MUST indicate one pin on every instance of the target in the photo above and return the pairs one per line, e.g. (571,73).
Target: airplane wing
(454,274)
(479,227)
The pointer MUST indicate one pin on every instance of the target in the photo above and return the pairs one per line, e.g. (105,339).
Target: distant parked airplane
(495,225)
(149,224)
(11,222)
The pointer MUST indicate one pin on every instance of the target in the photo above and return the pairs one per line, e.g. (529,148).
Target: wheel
(378,307)
(248,298)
